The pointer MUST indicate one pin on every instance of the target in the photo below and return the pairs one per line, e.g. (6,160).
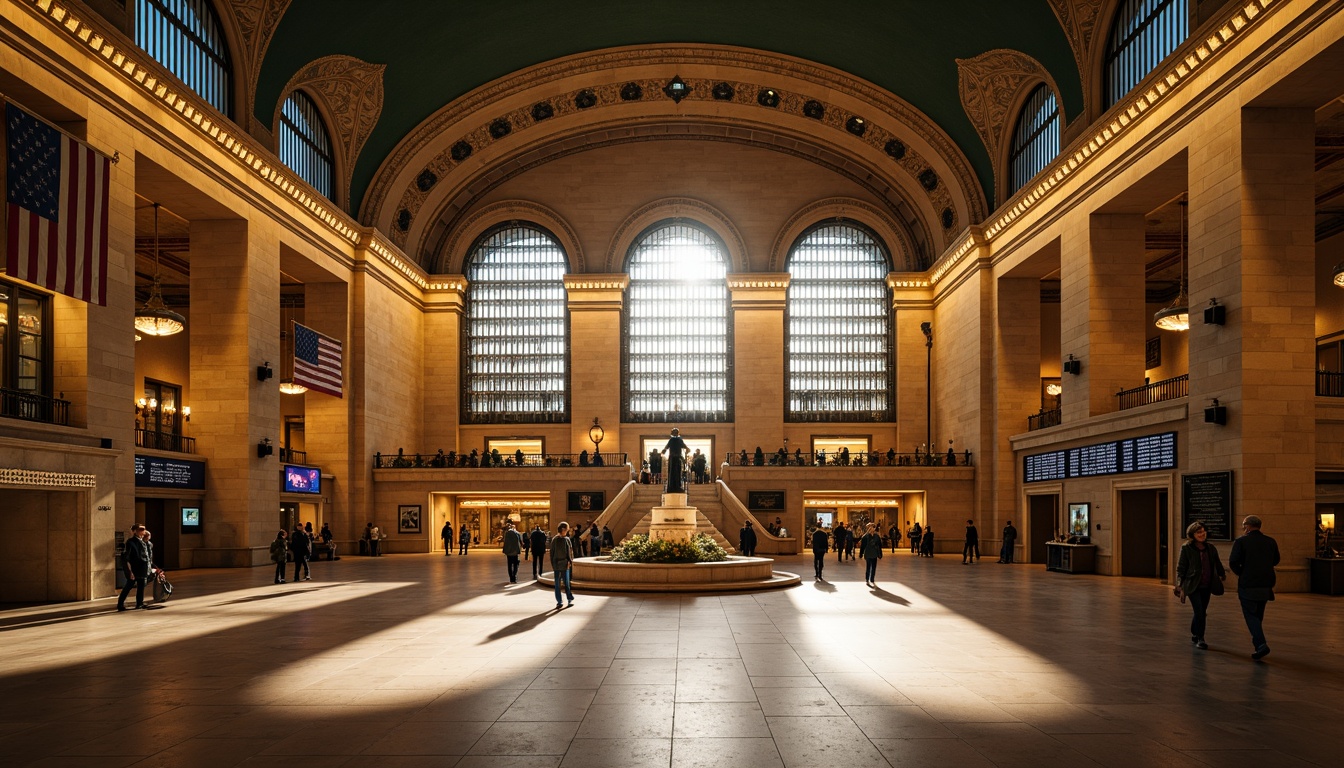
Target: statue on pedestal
(676,463)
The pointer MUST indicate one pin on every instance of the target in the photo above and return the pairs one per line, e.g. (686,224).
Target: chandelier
(1177,316)
(287,384)
(155,318)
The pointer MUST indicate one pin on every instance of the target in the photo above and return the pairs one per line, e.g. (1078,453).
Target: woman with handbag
(280,555)
(1199,576)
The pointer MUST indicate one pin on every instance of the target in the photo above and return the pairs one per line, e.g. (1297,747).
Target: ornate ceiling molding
(255,22)
(992,87)
(453,256)
(895,233)
(834,119)
(1080,18)
(350,92)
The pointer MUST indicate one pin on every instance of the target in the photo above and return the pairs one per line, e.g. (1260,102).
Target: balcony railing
(872,459)
(453,460)
(1046,418)
(30,406)
(164,441)
(293,456)
(1158,391)
(1329,384)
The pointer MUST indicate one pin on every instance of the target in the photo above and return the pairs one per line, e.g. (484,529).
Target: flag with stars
(317,361)
(56,199)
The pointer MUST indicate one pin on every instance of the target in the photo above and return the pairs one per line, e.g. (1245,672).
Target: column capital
(596,292)
(759,290)
(446,293)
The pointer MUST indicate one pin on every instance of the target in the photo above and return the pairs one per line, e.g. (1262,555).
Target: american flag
(55,209)
(317,361)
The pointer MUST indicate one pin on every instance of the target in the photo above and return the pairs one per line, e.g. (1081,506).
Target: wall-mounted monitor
(191,519)
(302,479)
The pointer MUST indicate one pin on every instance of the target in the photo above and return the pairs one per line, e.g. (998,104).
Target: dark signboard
(765,501)
(1117,457)
(1207,498)
(158,472)
(585,501)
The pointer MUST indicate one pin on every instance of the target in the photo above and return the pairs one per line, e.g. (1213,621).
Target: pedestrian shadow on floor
(519,626)
(274,595)
(883,594)
(824,586)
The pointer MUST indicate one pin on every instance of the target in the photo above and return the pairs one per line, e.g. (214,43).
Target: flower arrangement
(642,549)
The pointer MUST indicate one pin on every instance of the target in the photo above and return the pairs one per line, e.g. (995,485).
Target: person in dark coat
(513,547)
(970,551)
(562,559)
(463,539)
(1006,550)
(447,535)
(841,535)
(537,540)
(135,561)
(819,539)
(675,450)
(608,541)
(1253,558)
(1199,576)
(746,540)
(870,549)
(894,537)
(926,543)
(916,538)
(280,555)
(302,547)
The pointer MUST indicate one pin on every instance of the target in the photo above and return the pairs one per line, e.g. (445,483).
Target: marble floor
(425,660)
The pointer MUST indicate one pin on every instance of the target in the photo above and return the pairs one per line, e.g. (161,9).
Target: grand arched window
(304,144)
(677,338)
(1143,34)
(839,326)
(185,36)
(1035,138)
(515,361)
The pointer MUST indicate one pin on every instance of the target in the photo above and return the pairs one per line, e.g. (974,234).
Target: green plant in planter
(642,549)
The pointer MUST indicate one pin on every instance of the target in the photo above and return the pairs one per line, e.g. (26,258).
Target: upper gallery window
(677,338)
(1143,34)
(304,144)
(185,36)
(25,357)
(1035,138)
(515,357)
(839,326)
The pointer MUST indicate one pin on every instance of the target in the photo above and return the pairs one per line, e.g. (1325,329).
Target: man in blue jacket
(1253,558)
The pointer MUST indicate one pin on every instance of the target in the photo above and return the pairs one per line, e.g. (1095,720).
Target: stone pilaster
(1017,384)
(759,367)
(911,306)
(595,303)
(329,422)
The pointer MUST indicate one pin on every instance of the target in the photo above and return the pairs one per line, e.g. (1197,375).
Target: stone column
(1102,312)
(911,306)
(758,361)
(234,327)
(445,303)
(330,437)
(1252,246)
(1017,388)
(595,303)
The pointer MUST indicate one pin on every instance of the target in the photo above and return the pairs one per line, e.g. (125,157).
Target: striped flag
(55,209)
(317,361)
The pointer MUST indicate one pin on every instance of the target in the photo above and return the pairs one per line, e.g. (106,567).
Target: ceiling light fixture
(155,318)
(1177,316)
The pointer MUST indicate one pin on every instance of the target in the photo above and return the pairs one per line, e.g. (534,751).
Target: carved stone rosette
(991,87)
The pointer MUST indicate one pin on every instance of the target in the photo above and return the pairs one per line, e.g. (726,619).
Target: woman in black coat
(1199,576)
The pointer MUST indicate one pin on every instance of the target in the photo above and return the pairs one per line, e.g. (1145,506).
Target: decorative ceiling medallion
(768,97)
(426,180)
(813,109)
(895,149)
(856,125)
(500,128)
(461,151)
(631,92)
(585,99)
(928,179)
(403,220)
(949,218)
(542,110)
(722,92)
(677,89)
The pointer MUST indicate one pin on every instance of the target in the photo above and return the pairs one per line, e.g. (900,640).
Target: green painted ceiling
(438,50)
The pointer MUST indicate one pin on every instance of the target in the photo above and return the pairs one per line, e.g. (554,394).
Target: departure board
(1117,457)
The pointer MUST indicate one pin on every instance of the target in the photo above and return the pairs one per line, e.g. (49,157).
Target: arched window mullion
(1143,33)
(1035,140)
(185,36)
(304,144)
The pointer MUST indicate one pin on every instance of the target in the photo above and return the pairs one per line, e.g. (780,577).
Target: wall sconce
(264,448)
(186,413)
(264,371)
(1215,414)
(1054,390)
(1073,366)
(1215,313)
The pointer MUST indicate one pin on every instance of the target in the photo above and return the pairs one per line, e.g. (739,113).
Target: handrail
(619,504)
(1168,389)
(454,460)
(30,406)
(860,460)
(1045,419)
(729,501)
(164,441)
(1329,384)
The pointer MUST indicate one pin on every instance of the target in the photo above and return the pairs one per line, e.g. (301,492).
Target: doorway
(1143,533)
(1044,511)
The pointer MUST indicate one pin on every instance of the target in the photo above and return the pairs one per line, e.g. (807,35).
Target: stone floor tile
(516,738)
(719,720)
(797,702)
(718,752)
(823,742)
(618,753)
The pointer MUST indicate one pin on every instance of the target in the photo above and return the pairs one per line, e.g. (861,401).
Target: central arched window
(185,36)
(677,338)
(304,144)
(839,326)
(515,361)
(1035,138)
(1143,34)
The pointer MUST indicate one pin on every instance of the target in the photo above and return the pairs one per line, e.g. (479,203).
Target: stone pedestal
(673,520)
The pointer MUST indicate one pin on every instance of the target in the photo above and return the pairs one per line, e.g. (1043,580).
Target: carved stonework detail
(256,21)
(350,92)
(1079,19)
(990,86)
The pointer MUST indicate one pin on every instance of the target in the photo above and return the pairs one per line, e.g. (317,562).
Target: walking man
(537,540)
(894,537)
(135,559)
(970,551)
(562,557)
(302,547)
(463,540)
(1009,543)
(513,547)
(819,538)
(447,535)
(1253,558)
(746,540)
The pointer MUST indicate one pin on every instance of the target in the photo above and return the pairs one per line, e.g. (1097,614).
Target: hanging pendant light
(155,318)
(1177,316)
(287,384)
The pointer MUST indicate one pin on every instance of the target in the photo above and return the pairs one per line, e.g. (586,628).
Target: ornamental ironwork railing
(478,460)
(1167,389)
(30,406)
(782,458)
(1052,417)
(1329,384)
(293,456)
(164,441)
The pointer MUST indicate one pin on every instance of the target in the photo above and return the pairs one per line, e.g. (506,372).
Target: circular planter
(732,575)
